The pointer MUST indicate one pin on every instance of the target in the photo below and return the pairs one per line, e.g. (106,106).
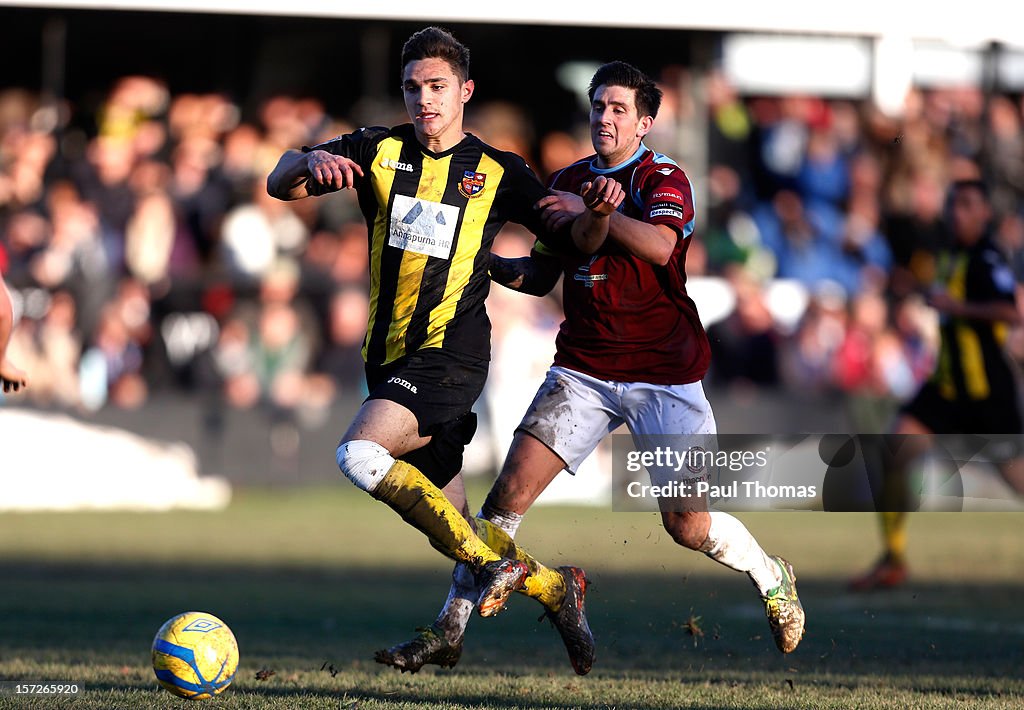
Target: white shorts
(573,412)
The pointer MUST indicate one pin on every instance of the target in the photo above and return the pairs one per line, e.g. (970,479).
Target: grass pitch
(313,580)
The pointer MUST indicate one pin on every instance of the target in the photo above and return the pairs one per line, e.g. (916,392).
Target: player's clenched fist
(603,195)
(328,172)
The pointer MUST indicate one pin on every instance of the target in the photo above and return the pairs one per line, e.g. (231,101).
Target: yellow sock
(894,530)
(893,516)
(422,504)
(543,583)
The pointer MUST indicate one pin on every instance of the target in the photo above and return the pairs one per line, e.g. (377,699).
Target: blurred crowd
(849,203)
(144,252)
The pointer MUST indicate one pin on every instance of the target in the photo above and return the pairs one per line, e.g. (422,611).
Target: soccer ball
(195,655)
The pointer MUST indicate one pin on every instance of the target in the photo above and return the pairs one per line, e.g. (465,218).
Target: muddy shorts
(572,412)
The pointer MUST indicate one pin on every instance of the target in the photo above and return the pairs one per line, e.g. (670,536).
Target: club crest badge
(472,183)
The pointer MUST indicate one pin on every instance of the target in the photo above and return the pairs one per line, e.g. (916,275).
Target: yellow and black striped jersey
(972,364)
(431,219)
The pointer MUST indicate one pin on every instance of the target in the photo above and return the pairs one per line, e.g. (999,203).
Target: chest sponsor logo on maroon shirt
(583,274)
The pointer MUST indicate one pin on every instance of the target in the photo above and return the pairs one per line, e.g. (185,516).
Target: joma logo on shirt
(395,165)
(403,383)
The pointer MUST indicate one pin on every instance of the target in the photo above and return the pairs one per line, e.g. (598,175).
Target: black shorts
(440,388)
(965,416)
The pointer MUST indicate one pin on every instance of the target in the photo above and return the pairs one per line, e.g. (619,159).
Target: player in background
(11,377)
(631,350)
(433,198)
(973,389)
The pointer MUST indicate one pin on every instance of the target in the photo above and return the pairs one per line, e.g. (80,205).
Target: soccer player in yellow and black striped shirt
(973,389)
(434,198)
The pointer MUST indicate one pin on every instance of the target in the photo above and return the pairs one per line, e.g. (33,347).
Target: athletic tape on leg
(507,520)
(365,463)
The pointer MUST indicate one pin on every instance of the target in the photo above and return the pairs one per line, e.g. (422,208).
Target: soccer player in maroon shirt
(631,351)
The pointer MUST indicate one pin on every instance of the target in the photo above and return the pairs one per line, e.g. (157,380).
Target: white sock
(458,608)
(507,520)
(463,594)
(731,544)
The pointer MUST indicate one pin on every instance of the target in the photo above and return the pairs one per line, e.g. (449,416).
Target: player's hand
(11,377)
(603,195)
(559,209)
(331,172)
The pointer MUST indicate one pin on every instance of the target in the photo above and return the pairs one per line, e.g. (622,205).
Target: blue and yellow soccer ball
(195,655)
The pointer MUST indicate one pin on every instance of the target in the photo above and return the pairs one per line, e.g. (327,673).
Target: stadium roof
(978,22)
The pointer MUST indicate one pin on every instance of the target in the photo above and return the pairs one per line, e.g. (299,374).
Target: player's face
(434,98)
(616,128)
(970,214)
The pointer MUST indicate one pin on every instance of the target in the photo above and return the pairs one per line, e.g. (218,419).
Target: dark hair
(437,43)
(972,184)
(647,94)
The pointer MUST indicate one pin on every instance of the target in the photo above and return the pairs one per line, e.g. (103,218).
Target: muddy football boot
(431,646)
(784,611)
(571,621)
(496,582)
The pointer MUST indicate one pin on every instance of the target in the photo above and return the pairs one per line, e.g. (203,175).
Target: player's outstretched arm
(11,378)
(317,172)
(534,275)
(601,198)
(995,311)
